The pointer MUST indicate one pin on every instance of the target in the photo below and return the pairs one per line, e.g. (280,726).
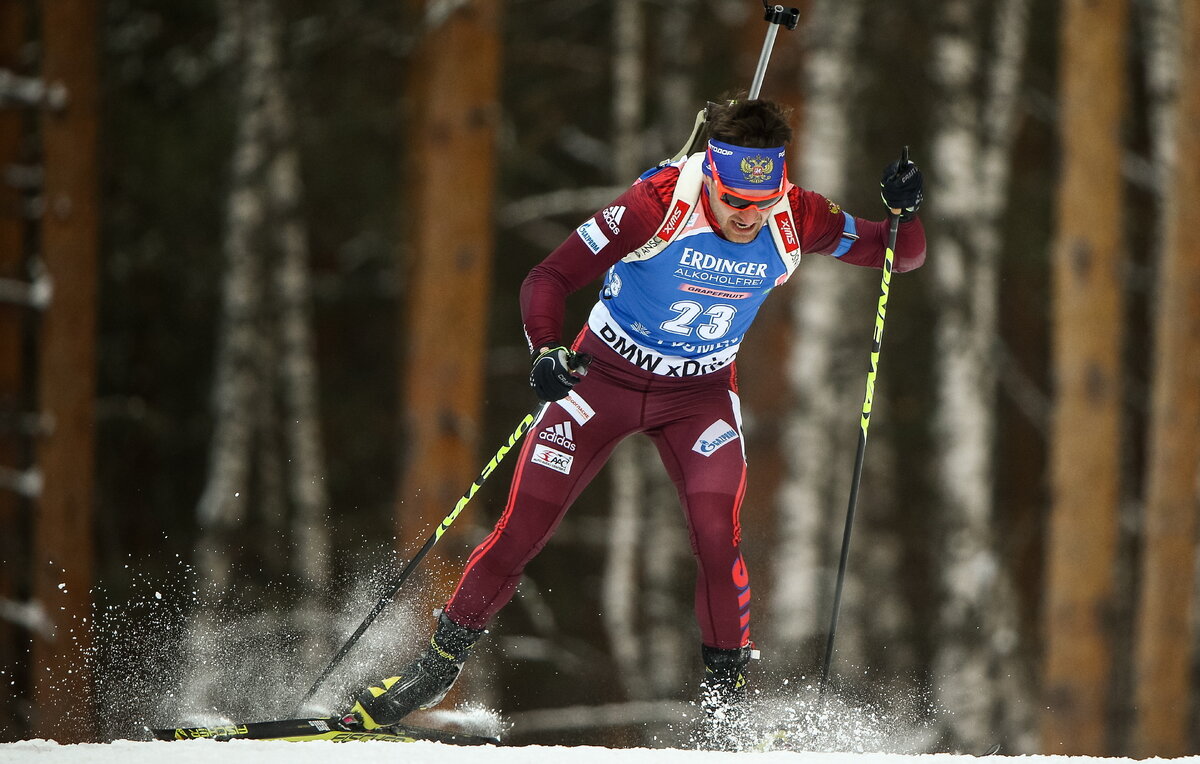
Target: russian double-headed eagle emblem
(757,169)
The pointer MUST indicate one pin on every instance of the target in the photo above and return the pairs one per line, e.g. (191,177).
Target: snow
(326,752)
(137,640)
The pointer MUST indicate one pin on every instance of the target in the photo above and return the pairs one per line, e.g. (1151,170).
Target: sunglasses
(738,202)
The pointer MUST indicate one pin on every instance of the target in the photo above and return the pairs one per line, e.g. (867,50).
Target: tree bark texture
(14,562)
(62,574)
(1164,645)
(452,115)
(1087,330)
(449,168)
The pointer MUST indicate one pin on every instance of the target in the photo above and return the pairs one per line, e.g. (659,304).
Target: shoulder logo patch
(612,216)
(592,236)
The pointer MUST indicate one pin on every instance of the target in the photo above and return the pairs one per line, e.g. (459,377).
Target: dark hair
(757,124)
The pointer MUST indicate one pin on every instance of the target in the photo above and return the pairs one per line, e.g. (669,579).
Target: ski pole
(775,16)
(525,424)
(864,422)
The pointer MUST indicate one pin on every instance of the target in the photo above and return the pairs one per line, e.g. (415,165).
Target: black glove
(556,371)
(901,189)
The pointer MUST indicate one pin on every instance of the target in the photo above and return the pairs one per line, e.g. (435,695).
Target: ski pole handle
(895,221)
(775,16)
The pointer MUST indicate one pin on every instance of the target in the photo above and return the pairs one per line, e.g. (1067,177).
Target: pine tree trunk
(1165,639)
(452,115)
(1085,448)
(66,374)
(13,450)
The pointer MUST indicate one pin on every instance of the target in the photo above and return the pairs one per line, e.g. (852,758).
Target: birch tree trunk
(266,460)
(1088,314)
(309,558)
(819,435)
(628,463)
(647,546)
(220,511)
(667,643)
(1163,628)
(977,672)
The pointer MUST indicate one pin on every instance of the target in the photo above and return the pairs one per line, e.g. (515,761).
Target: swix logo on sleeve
(718,434)
(674,220)
(787,230)
(559,435)
(552,458)
(612,216)
(592,236)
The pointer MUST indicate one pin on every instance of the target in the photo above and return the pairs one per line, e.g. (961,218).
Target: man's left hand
(901,189)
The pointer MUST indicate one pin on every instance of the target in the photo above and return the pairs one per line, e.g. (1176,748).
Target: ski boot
(723,698)
(422,683)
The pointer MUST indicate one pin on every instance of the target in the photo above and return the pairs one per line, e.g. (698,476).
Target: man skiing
(688,254)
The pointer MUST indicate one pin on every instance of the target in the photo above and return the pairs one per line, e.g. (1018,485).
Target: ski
(329,728)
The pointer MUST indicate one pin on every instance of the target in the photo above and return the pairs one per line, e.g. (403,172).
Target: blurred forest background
(258,332)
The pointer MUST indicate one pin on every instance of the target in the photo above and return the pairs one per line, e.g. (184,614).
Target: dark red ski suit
(682,415)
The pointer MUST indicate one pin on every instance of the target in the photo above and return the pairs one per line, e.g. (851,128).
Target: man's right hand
(556,370)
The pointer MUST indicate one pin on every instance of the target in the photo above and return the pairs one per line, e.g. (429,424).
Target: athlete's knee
(714,522)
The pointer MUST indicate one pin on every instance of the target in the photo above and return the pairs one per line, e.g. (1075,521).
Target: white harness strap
(686,200)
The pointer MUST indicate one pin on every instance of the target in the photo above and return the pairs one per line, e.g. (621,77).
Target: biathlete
(687,254)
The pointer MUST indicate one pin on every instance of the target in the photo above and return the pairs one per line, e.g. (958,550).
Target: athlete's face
(737,225)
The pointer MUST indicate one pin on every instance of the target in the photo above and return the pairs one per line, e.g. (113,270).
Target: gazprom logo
(718,434)
(593,238)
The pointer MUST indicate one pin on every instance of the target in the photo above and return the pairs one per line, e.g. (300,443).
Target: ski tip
(151,733)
